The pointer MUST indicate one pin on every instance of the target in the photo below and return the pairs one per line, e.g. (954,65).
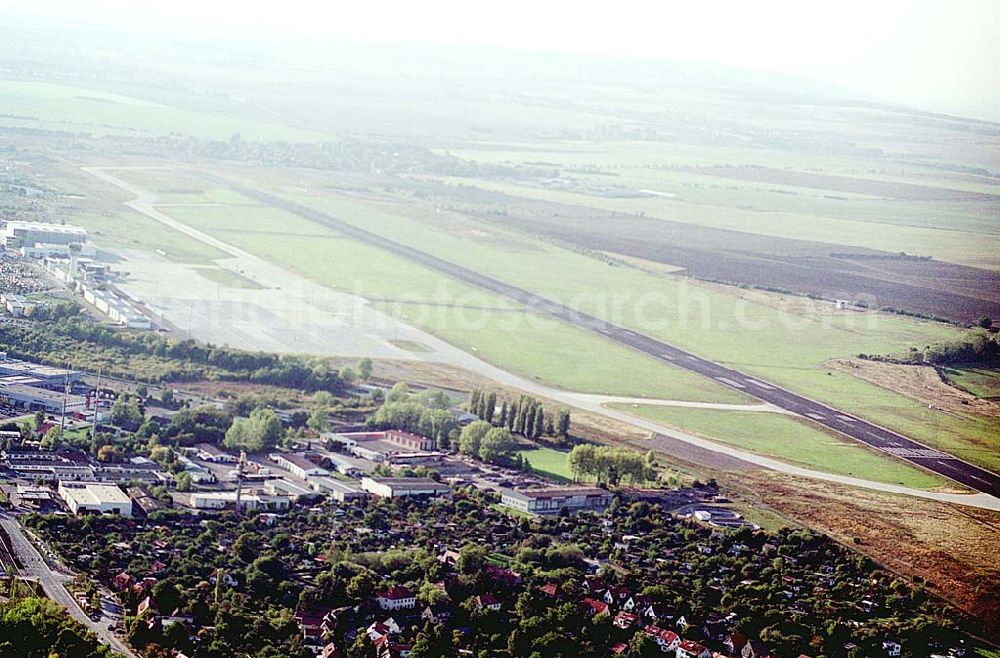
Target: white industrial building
(405,488)
(95,498)
(33,398)
(555,499)
(118,309)
(28,234)
(299,464)
(217,500)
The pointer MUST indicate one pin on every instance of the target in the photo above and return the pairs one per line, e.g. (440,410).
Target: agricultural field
(790,439)
(60,107)
(773,249)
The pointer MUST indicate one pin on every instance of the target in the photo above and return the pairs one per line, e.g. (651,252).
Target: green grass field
(789,439)
(560,355)
(972,438)
(328,257)
(549,462)
(980,382)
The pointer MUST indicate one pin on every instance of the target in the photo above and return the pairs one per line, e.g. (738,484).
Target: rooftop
(556,492)
(93,493)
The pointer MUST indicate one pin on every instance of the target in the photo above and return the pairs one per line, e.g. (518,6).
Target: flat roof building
(28,234)
(34,398)
(217,500)
(299,464)
(553,500)
(95,498)
(338,490)
(405,488)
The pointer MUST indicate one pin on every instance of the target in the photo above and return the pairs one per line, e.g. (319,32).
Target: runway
(856,428)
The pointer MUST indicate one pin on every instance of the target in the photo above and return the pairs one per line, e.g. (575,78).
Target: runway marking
(767,387)
(815,416)
(918,453)
(846,419)
(667,356)
(727,380)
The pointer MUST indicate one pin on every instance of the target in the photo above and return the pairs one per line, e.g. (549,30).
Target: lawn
(981,382)
(549,462)
(789,439)
(560,355)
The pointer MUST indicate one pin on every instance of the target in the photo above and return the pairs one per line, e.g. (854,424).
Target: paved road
(54,583)
(856,428)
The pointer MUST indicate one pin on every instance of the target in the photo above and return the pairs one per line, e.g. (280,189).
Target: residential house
(689,649)
(487,602)
(593,606)
(625,620)
(396,598)
(892,648)
(754,649)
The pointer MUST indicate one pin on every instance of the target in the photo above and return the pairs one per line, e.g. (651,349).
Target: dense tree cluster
(798,591)
(610,464)
(39,628)
(491,444)
(154,358)
(975,347)
(427,413)
(259,432)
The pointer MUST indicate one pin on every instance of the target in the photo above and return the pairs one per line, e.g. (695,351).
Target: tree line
(975,347)
(59,342)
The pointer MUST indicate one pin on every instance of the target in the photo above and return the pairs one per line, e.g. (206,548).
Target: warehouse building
(405,488)
(34,398)
(28,234)
(343,492)
(95,498)
(381,447)
(553,500)
(283,487)
(43,376)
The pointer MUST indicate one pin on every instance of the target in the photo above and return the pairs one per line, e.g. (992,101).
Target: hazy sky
(934,54)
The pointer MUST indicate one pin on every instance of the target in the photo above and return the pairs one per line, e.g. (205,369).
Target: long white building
(28,234)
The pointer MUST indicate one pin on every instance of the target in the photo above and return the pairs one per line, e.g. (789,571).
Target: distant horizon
(929,55)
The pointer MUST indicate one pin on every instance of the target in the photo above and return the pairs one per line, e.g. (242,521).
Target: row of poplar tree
(525,416)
